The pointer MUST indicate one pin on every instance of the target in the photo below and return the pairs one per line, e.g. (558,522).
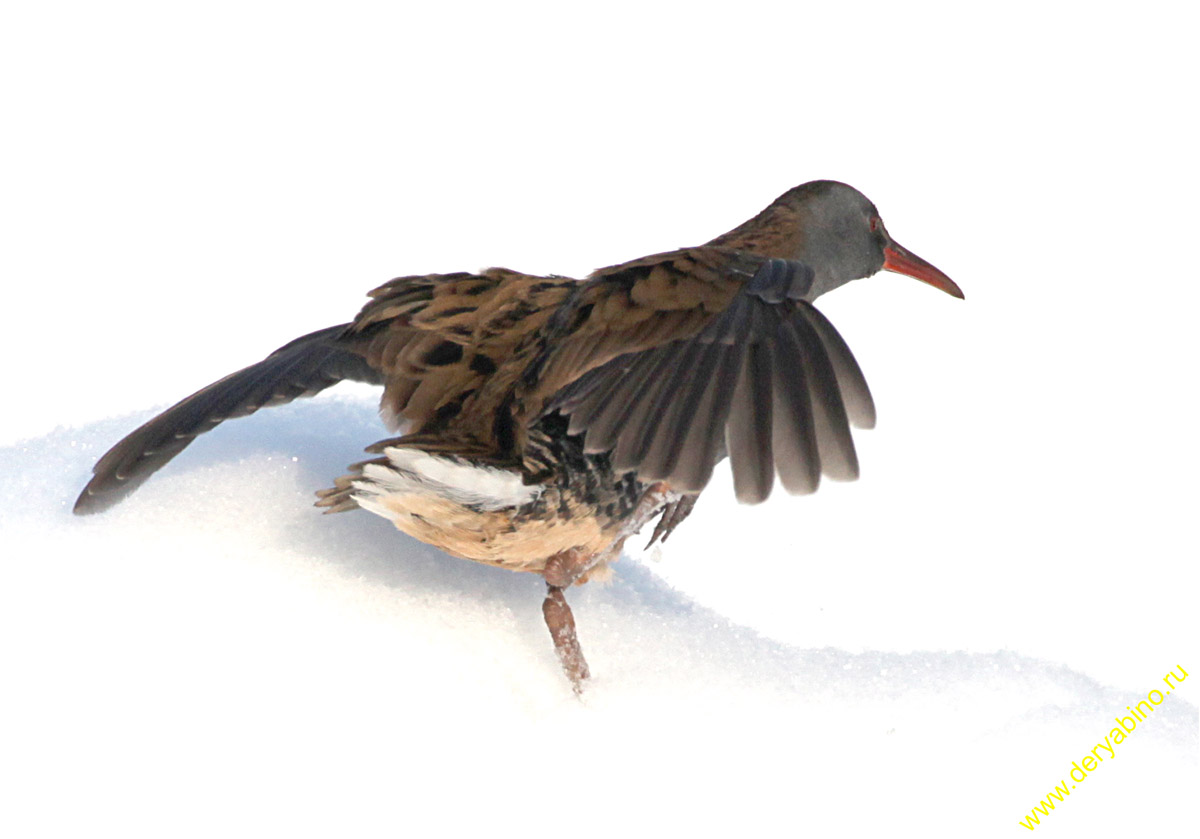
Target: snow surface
(922,652)
(213,654)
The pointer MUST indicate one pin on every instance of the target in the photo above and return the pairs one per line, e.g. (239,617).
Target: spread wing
(672,362)
(430,340)
(302,367)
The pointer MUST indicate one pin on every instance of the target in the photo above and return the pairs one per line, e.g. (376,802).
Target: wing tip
(90,501)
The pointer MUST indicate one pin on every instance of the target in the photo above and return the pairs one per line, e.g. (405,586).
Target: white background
(927,649)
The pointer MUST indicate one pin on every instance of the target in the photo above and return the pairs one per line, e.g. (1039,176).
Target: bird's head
(843,239)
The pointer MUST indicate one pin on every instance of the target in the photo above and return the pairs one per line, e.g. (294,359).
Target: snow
(926,650)
(215,647)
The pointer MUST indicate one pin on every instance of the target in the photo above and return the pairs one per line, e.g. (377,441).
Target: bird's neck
(778,232)
(775,232)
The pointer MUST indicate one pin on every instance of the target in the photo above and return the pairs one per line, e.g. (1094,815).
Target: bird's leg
(562,570)
(562,629)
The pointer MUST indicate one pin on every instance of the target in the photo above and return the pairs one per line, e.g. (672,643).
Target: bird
(538,422)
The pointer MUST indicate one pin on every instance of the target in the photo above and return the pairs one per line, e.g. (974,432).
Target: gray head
(842,238)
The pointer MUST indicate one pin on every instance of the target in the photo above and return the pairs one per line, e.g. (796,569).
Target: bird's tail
(303,367)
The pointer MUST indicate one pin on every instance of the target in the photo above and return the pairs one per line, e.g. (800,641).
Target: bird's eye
(874,223)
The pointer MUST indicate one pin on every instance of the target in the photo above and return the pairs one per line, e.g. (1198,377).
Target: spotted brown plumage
(541,421)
